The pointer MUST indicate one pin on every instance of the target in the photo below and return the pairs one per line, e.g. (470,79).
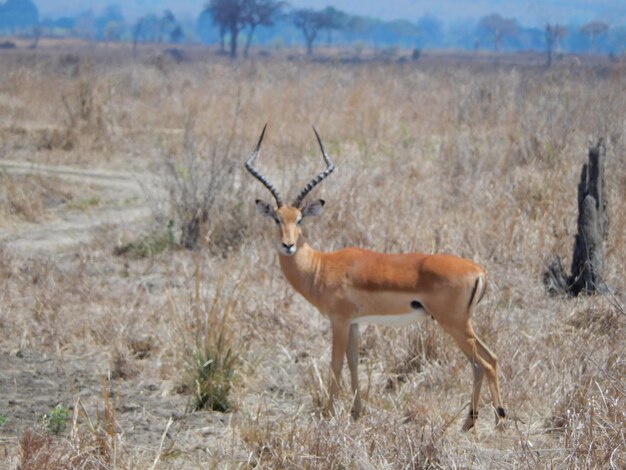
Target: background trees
(260,13)
(231,16)
(273,22)
(310,22)
(430,31)
(554,34)
(334,20)
(594,29)
(152,28)
(18,15)
(498,28)
(147,29)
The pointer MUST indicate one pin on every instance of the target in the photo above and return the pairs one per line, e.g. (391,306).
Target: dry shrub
(84,104)
(39,451)
(196,184)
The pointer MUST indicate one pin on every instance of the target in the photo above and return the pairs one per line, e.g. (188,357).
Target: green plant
(213,367)
(83,204)
(212,362)
(55,420)
(3,419)
(149,245)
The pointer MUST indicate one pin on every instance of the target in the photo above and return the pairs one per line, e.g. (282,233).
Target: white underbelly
(386,308)
(403,319)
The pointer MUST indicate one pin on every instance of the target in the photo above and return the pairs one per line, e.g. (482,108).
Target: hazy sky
(530,12)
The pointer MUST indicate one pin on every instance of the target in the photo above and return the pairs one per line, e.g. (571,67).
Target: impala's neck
(302,269)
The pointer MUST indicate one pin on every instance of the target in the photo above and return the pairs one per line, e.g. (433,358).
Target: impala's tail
(479,290)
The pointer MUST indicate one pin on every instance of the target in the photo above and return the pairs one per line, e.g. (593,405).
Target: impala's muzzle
(288,240)
(288,249)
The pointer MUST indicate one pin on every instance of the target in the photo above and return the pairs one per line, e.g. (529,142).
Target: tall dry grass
(469,159)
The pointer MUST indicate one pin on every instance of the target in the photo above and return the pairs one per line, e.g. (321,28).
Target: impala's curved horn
(330,167)
(254,172)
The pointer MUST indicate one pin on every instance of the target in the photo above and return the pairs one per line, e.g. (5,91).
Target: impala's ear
(265,209)
(313,208)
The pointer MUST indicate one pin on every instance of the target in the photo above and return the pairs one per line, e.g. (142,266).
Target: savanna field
(121,348)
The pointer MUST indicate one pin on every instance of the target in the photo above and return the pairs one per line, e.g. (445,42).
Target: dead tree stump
(588,256)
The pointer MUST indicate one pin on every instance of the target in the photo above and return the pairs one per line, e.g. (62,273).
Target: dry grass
(30,198)
(89,443)
(475,160)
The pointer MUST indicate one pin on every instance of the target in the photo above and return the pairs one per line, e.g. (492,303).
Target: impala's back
(398,289)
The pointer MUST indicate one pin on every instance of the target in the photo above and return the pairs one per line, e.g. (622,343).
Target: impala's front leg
(352,355)
(340,329)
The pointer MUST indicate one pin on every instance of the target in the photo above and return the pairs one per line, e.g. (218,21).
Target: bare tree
(222,29)
(498,27)
(168,23)
(37,32)
(177,34)
(334,20)
(593,30)
(229,15)
(145,29)
(554,33)
(310,22)
(260,13)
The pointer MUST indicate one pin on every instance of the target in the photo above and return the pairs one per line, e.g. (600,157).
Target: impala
(353,285)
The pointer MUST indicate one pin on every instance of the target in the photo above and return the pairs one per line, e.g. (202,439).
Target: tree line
(233,19)
(233,23)
(233,16)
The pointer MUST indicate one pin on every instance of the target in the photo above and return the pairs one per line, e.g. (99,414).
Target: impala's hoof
(500,419)
(357,408)
(356,412)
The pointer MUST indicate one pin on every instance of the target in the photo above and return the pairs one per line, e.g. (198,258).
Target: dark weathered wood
(588,254)
(555,279)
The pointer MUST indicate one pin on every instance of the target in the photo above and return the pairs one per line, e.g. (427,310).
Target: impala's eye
(277,221)
(298,222)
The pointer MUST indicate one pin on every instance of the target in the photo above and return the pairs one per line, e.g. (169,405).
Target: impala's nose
(289,248)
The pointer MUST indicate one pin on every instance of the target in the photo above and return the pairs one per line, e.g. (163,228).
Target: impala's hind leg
(494,385)
(472,416)
(483,362)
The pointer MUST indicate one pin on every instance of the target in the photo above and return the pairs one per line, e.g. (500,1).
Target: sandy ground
(123,202)
(32,383)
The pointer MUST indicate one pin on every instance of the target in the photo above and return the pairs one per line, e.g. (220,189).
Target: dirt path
(125,203)
(33,382)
